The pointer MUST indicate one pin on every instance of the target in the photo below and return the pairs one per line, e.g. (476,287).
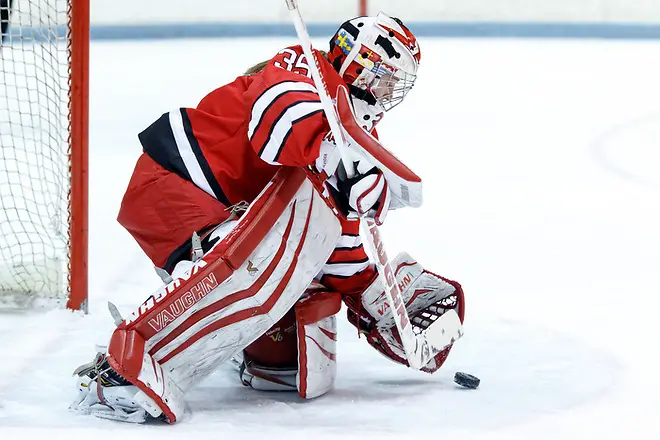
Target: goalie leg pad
(229,297)
(268,365)
(317,343)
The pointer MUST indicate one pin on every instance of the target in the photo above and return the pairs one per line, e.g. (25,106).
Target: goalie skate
(105,394)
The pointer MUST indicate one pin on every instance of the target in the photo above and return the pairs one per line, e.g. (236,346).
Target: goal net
(43,152)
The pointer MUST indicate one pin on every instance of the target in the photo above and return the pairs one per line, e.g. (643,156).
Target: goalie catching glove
(427,297)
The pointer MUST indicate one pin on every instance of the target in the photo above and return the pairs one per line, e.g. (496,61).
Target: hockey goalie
(245,208)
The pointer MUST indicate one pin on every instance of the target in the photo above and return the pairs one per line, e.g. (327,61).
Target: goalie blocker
(224,301)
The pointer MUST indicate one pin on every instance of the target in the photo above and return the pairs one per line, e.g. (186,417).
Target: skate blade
(118,414)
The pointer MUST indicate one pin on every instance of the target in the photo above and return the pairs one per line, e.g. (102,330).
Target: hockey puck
(467,380)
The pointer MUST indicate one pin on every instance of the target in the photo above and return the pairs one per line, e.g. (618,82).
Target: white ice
(541,163)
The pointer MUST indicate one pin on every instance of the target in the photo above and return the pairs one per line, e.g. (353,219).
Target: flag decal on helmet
(344,41)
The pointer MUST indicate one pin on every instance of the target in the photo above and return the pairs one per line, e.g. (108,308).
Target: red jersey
(231,144)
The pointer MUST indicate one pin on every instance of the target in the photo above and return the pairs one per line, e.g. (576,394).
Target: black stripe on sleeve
(282,113)
(159,143)
(266,91)
(203,163)
(270,104)
(279,150)
(261,117)
(263,114)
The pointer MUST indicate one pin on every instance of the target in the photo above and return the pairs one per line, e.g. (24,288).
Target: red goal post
(44,116)
(79,141)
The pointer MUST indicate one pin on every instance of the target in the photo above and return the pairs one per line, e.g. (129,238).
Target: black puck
(467,380)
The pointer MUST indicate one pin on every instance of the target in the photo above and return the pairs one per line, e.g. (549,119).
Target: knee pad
(299,352)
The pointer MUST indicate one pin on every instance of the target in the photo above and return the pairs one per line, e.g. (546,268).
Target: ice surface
(541,163)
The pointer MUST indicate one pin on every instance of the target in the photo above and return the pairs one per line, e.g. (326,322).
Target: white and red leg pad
(305,361)
(427,297)
(317,343)
(228,298)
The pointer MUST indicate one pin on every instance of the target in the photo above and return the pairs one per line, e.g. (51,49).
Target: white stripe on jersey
(283,127)
(267,98)
(187,154)
(344,269)
(348,241)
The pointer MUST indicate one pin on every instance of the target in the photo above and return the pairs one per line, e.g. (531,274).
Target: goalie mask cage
(43,155)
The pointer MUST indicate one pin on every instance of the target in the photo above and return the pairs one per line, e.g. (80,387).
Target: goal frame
(362,8)
(79,35)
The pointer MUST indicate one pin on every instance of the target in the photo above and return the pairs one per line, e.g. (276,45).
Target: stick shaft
(321,85)
(392,291)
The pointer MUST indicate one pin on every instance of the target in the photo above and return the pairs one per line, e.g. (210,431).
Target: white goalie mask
(378,58)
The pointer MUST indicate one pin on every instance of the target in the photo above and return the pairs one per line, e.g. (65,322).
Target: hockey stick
(420,348)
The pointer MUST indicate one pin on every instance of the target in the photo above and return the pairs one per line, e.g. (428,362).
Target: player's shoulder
(218,98)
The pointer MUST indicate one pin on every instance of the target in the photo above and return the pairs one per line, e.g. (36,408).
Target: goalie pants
(161,210)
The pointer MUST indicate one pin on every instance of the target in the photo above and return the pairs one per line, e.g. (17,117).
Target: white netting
(34,141)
